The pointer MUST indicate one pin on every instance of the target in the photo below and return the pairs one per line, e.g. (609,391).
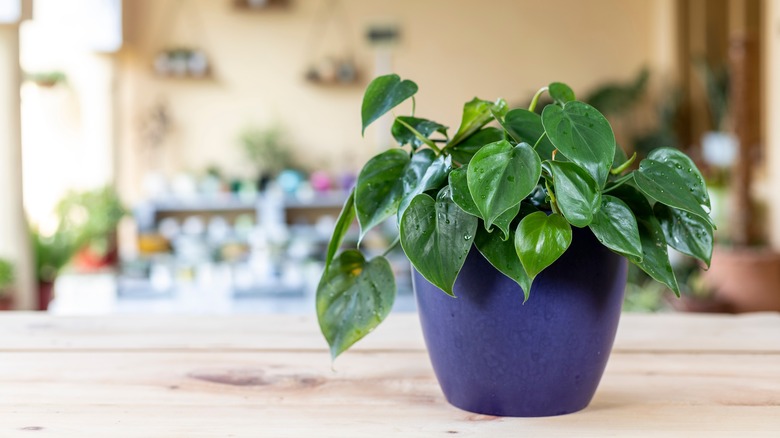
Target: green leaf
(345,219)
(500,176)
(577,194)
(436,237)
(686,169)
(463,151)
(404,136)
(635,200)
(581,133)
(476,114)
(655,256)
(353,297)
(502,255)
(462,197)
(616,228)
(686,232)
(504,221)
(383,94)
(561,93)
(425,172)
(540,240)
(379,188)
(460,191)
(526,126)
(662,182)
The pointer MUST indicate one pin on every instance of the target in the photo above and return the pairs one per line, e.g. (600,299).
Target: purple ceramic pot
(494,355)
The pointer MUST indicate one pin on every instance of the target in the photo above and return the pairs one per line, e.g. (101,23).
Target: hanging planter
(331,68)
(46,79)
(182,63)
(182,60)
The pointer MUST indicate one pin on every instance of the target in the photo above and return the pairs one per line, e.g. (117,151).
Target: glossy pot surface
(494,355)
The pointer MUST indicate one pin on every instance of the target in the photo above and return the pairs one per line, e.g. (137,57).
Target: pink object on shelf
(320,181)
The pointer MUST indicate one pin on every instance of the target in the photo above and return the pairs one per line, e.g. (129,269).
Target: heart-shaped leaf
(615,227)
(436,237)
(379,188)
(581,133)
(343,223)
(404,136)
(353,297)
(425,172)
(686,232)
(576,192)
(463,151)
(663,182)
(501,254)
(560,93)
(383,94)
(500,176)
(460,191)
(526,126)
(540,240)
(476,114)
(462,197)
(686,169)
(655,256)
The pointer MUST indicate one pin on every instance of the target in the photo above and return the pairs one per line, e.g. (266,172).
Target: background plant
(514,190)
(267,149)
(7,276)
(83,219)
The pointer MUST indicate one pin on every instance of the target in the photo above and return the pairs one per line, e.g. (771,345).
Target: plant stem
(414,105)
(421,137)
(553,202)
(392,246)
(618,182)
(544,134)
(618,170)
(535,100)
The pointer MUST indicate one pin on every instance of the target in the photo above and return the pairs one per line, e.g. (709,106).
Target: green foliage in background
(7,276)
(83,218)
(515,190)
(267,148)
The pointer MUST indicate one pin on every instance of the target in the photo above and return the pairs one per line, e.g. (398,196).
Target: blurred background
(191,156)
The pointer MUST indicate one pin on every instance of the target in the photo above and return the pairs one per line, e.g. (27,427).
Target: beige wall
(452,49)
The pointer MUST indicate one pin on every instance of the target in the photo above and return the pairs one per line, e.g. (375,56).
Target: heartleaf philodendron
(437,236)
(578,196)
(353,297)
(500,176)
(512,183)
(379,188)
(383,94)
(540,239)
(583,135)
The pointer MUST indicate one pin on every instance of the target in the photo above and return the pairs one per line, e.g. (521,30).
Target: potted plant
(92,217)
(7,282)
(529,224)
(86,228)
(747,275)
(51,252)
(268,149)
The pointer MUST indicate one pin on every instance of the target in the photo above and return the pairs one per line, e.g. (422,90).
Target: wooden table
(270,376)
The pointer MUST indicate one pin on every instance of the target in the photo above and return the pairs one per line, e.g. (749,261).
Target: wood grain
(20,331)
(671,375)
